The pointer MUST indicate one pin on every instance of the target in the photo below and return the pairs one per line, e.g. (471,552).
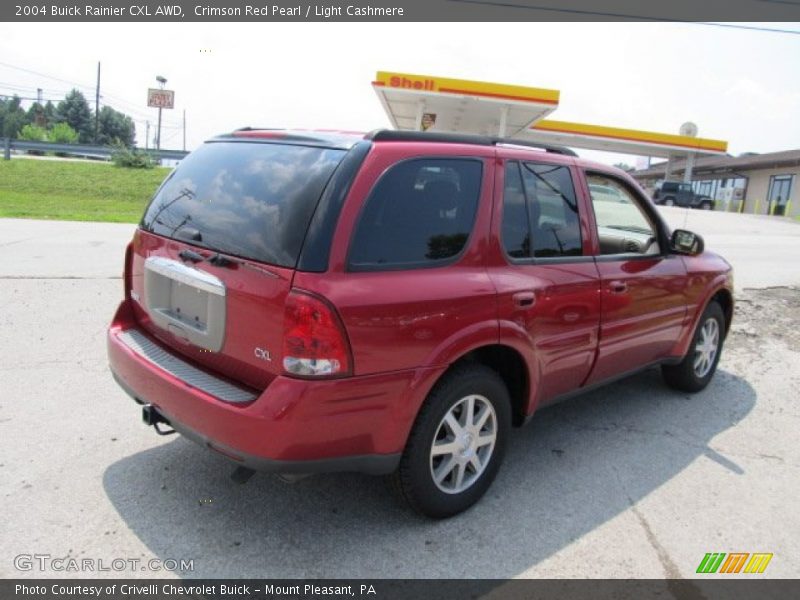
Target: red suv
(393,303)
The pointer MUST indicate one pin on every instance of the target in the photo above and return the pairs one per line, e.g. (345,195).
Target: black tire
(414,479)
(684,376)
(706,205)
(669,201)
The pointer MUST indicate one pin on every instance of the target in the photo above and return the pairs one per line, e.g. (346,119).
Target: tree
(62,134)
(74,111)
(12,117)
(50,114)
(33,133)
(115,125)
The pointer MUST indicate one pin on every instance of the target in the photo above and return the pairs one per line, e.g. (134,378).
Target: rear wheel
(697,368)
(457,443)
(705,205)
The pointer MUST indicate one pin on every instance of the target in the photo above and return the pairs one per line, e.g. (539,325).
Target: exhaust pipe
(152,417)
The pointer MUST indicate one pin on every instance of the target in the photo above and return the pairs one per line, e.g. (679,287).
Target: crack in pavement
(15,242)
(718,455)
(678,587)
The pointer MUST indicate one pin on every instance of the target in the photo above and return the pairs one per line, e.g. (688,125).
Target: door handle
(524,299)
(618,287)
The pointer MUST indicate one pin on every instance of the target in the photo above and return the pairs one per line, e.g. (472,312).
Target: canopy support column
(687,172)
(503,119)
(420,112)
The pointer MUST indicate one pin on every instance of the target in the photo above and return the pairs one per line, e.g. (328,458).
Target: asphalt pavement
(633,480)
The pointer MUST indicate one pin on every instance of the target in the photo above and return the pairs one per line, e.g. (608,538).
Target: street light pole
(161,80)
(97,106)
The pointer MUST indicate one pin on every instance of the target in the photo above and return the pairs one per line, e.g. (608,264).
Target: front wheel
(669,202)
(697,368)
(457,442)
(706,206)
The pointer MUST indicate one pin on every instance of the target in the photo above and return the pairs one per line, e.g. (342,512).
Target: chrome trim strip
(178,271)
(154,354)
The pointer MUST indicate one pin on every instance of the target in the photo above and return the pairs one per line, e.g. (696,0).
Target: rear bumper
(293,426)
(376,464)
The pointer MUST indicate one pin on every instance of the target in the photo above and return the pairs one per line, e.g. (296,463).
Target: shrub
(122,156)
(33,133)
(62,133)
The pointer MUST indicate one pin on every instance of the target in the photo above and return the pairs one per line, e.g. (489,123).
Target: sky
(737,85)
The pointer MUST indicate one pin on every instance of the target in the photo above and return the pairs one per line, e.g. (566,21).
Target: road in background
(762,250)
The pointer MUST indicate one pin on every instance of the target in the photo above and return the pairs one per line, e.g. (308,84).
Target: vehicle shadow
(574,467)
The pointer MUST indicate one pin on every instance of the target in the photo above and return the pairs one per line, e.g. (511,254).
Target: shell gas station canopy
(424,102)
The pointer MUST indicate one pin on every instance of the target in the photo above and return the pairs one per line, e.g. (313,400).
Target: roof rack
(323,139)
(394,135)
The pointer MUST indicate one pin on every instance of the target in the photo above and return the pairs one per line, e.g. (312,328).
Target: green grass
(75,191)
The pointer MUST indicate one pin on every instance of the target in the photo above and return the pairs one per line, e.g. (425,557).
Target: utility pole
(147,136)
(39,109)
(97,106)
(184,130)
(161,81)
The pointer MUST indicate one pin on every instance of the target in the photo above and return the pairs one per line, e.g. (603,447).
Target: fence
(88,150)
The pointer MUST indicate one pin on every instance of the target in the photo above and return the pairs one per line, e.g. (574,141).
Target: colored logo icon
(734,562)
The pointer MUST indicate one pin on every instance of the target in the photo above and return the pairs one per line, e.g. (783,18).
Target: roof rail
(394,135)
(323,139)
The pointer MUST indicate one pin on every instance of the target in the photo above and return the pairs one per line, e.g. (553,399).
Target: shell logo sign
(464,87)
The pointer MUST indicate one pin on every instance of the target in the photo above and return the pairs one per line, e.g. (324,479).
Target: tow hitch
(151,416)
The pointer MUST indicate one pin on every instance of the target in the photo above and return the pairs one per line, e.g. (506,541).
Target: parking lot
(633,480)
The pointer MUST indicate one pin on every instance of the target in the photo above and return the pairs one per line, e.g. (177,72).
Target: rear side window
(420,213)
(540,212)
(253,200)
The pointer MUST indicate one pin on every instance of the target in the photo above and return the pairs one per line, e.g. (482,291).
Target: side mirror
(686,242)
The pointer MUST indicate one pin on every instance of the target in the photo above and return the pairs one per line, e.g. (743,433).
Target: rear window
(253,200)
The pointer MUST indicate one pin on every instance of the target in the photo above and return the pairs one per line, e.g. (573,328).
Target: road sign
(160,98)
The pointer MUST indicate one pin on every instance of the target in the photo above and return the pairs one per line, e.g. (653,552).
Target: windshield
(253,200)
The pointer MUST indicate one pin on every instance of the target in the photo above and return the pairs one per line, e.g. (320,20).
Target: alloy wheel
(463,444)
(705,351)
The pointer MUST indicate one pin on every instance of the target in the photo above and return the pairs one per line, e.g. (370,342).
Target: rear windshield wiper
(220,261)
(215,259)
(189,233)
(191,255)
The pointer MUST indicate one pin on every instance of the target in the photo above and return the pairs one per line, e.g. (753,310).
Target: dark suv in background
(676,193)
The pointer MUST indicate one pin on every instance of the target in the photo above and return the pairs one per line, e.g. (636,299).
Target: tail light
(126,274)
(314,342)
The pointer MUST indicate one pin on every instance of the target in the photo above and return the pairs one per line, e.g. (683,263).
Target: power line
(24,88)
(140,114)
(641,18)
(35,99)
(749,27)
(90,88)
(4,64)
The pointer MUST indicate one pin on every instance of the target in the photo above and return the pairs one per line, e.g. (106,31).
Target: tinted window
(540,212)
(419,213)
(252,200)
(516,227)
